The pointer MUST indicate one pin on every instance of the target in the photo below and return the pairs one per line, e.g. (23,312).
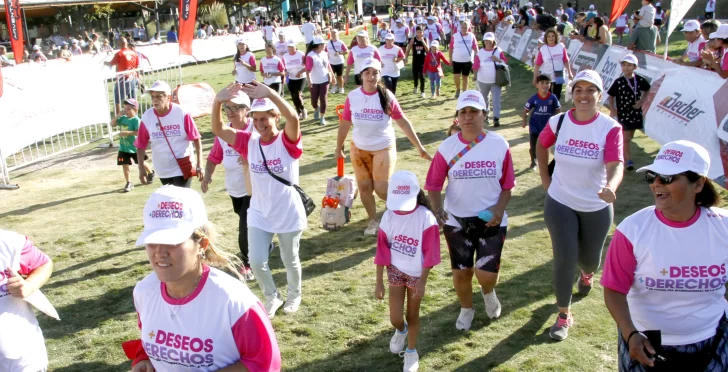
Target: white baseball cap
(171,215)
(430,18)
(489,36)
(471,98)
(691,25)
(370,63)
(362,34)
(262,104)
(722,32)
(240,40)
(631,58)
(678,157)
(290,43)
(159,86)
(389,37)
(399,20)
(402,191)
(281,33)
(590,76)
(318,40)
(591,6)
(435,43)
(241,99)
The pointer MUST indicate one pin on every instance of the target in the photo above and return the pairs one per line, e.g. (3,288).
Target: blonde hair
(214,256)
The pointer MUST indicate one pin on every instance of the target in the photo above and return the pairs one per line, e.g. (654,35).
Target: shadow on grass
(97,260)
(93,275)
(95,366)
(92,153)
(36,207)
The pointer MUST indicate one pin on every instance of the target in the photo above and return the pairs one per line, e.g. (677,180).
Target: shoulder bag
(308,204)
(502,73)
(185,164)
(558,75)
(552,164)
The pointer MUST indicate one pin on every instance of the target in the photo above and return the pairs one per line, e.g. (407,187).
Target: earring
(203,255)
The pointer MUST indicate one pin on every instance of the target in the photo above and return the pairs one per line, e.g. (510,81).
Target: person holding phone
(665,271)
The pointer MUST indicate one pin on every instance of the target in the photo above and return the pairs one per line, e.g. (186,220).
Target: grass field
(72,208)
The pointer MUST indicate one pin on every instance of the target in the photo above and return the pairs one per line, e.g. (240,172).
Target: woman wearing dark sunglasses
(665,272)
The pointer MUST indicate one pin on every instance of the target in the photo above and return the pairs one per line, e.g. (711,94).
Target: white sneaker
(422,95)
(492,305)
(465,319)
(396,344)
(292,305)
(433,95)
(414,91)
(372,228)
(271,306)
(411,361)
(341,91)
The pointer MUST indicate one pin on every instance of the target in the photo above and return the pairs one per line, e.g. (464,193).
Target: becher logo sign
(681,110)
(186,9)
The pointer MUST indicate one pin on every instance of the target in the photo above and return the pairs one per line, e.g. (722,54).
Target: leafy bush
(214,14)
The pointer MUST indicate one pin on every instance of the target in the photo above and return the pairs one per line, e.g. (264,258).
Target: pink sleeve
(191,128)
(383,256)
(281,66)
(344,48)
(431,246)
(452,43)
(547,137)
(437,173)
(476,62)
(614,145)
(401,53)
(701,46)
(31,258)
(475,45)
(619,265)
(539,59)
(142,139)
(256,341)
(503,57)
(377,56)
(350,59)
(566,56)
(508,180)
(260,66)
(241,143)
(295,149)
(309,63)
(347,110)
(251,61)
(724,67)
(396,110)
(215,155)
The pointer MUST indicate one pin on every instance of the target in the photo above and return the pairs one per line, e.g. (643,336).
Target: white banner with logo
(678,10)
(610,68)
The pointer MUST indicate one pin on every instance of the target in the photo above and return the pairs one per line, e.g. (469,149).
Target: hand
(17,286)
(607,194)
(200,174)
(339,154)
(571,75)
(497,217)
(441,217)
(300,73)
(235,71)
(142,175)
(533,82)
(419,289)
(379,291)
(143,366)
(523,124)
(637,346)
(242,161)
(637,105)
(495,59)
(205,184)
(424,154)
(546,183)
(256,90)
(227,93)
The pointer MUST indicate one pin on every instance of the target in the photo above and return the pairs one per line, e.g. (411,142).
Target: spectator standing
(570,12)
(126,84)
(691,57)
(172,35)
(710,9)
(484,67)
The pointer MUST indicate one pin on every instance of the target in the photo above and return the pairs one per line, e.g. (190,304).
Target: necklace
(183,301)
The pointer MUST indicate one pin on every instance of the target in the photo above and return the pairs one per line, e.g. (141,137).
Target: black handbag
(308,203)
(552,164)
(474,227)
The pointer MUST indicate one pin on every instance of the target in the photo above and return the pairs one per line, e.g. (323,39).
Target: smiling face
(370,77)
(676,197)
(242,48)
(586,95)
(691,36)
(266,123)
(173,262)
(236,114)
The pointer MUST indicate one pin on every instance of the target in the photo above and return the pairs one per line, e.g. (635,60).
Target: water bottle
(485,215)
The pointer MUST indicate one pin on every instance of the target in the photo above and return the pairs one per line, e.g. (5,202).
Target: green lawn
(73,210)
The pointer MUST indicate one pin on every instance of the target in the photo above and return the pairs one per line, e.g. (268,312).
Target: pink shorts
(398,278)
(620,30)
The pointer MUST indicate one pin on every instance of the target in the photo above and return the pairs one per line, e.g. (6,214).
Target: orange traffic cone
(328,35)
(365,27)
(347,28)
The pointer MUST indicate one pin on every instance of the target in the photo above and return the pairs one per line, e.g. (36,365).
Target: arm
(344,126)
(225,133)
(379,290)
(524,116)
(22,288)
(443,59)
(406,126)
(619,309)
(542,155)
(612,107)
(257,90)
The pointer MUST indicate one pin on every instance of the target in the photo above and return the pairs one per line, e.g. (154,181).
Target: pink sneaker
(560,330)
(247,273)
(585,283)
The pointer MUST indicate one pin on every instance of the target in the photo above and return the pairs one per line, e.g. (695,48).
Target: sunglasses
(651,176)
(233,109)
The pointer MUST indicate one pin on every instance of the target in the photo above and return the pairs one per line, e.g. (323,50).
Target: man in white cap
(693,36)
(171,132)
(358,54)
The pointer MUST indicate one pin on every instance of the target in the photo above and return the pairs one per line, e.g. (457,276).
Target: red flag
(15,28)
(618,6)
(187,18)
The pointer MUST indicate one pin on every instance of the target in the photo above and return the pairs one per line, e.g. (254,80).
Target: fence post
(5,175)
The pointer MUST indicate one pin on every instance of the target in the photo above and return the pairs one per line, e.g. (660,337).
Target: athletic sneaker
(414,91)
(496,122)
(422,94)
(316,115)
(247,273)
(585,283)
(533,166)
(341,91)
(304,114)
(372,228)
(457,94)
(396,344)
(323,121)
(129,186)
(150,177)
(411,361)
(433,95)
(272,305)
(630,165)
(560,330)
(292,304)
(465,319)
(492,305)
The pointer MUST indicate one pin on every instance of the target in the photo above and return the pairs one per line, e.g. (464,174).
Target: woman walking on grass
(294,62)
(320,76)
(484,67)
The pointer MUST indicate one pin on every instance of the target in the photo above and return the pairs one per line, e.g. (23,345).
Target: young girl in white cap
(244,63)
(193,316)
(433,67)
(408,246)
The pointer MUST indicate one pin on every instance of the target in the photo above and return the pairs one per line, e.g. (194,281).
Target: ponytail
(708,196)
(309,48)
(384,98)
(216,257)
(423,200)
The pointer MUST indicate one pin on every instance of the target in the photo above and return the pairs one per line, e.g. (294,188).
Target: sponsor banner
(512,44)
(187,18)
(522,43)
(609,67)
(15,28)
(588,57)
(529,55)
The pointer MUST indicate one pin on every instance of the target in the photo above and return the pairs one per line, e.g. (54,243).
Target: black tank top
(418,52)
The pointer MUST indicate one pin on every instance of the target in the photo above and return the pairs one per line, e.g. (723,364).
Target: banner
(15,28)
(678,9)
(610,68)
(618,6)
(187,19)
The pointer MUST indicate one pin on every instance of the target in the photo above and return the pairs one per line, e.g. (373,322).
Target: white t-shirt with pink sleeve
(401,34)
(582,151)
(485,65)
(294,63)
(242,74)
(476,180)
(389,67)
(358,55)
(373,129)
(318,66)
(22,347)
(333,48)
(180,129)
(221,323)
(673,273)
(274,207)
(408,240)
(271,65)
(224,154)
(552,58)
(693,50)
(463,47)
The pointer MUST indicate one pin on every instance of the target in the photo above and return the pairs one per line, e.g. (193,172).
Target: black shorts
(402,45)
(658,22)
(338,69)
(632,125)
(462,248)
(357,79)
(178,181)
(276,87)
(462,68)
(125,158)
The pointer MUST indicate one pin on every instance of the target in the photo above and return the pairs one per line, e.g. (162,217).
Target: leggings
(320,94)
(577,238)
(276,87)
(435,81)
(556,90)
(294,87)
(532,139)
(391,83)
(259,242)
(418,76)
(490,88)
(240,206)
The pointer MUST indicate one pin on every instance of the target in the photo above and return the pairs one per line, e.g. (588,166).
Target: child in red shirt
(433,67)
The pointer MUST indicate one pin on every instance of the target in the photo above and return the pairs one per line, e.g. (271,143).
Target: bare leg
(396,306)
(463,282)
(486,279)
(126,172)
(366,192)
(413,319)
